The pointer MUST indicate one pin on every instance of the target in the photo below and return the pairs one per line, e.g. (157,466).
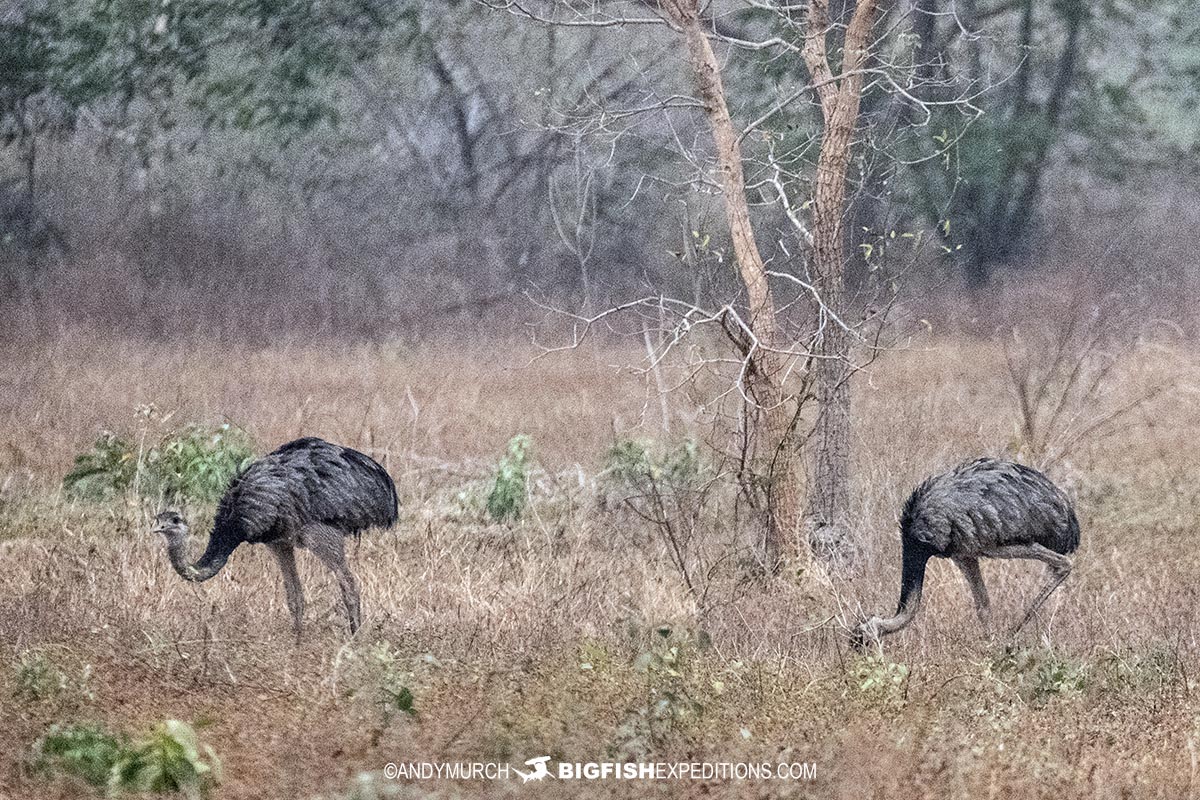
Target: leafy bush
(668,488)
(640,464)
(670,707)
(38,678)
(397,698)
(85,751)
(198,464)
(385,677)
(509,495)
(105,471)
(394,694)
(1038,675)
(193,463)
(879,679)
(169,759)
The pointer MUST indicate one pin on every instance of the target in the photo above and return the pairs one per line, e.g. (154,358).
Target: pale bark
(768,365)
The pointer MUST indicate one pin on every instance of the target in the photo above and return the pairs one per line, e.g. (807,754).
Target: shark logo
(538,772)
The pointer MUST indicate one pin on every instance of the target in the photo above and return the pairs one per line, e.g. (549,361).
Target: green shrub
(670,708)
(198,464)
(640,464)
(1038,675)
(169,759)
(105,471)
(397,698)
(880,680)
(85,751)
(509,494)
(37,678)
(192,464)
(394,694)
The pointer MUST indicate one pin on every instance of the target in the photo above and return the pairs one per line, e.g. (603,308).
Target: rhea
(980,509)
(308,493)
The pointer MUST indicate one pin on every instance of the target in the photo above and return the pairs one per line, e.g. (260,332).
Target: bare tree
(767,364)
(791,327)
(829,501)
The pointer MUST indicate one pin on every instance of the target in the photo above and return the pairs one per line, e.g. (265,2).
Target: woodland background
(224,225)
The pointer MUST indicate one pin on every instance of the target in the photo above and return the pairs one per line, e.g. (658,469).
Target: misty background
(264,169)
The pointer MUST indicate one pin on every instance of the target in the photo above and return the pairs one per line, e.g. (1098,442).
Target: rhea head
(171,524)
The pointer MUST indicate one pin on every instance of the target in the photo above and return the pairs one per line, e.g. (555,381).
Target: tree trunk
(767,364)
(829,498)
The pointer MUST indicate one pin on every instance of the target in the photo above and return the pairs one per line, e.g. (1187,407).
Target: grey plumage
(308,492)
(985,508)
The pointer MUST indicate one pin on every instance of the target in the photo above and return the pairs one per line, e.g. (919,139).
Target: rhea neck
(204,568)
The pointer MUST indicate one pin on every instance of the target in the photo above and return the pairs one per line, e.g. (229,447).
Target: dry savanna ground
(571,632)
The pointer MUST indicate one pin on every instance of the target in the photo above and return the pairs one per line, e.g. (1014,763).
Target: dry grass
(523,640)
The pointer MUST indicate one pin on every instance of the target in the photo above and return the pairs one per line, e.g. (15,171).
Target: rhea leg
(970,569)
(1058,567)
(327,544)
(285,554)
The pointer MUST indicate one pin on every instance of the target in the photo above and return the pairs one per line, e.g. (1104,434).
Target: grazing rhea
(980,509)
(309,493)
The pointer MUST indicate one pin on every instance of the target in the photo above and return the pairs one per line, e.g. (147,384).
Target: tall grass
(541,636)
